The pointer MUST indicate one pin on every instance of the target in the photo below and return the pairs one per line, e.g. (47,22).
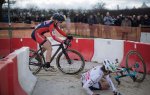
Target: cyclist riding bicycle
(98,78)
(49,26)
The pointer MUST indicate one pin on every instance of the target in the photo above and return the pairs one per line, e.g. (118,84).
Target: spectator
(108,19)
(95,25)
(84,18)
(95,19)
(84,21)
(118,21)
(68,23)
(126,27)
(98,26)
(139,21)
(76,22)
(134,21)
(99,18)
(76,18)
(126,22)
(91,22)
(42,17)
(28,20)
(37,19)
(146,20)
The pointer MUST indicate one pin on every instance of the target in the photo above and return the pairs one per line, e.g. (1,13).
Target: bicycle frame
(53,56)
(122,71)
(62,55)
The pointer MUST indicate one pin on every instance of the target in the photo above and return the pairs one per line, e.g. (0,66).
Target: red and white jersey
(93,76)
(49,26)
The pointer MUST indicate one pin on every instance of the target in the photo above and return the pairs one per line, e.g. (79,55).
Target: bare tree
(1,3)
(99,5)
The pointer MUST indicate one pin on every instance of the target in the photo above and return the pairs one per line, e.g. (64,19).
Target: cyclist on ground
(98,78)
(49,26)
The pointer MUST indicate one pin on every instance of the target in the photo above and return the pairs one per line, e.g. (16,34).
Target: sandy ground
(57,83)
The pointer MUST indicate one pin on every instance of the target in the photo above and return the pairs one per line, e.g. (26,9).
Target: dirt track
(50,83)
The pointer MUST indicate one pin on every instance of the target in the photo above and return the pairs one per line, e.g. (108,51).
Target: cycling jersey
(42,28)
(92,78)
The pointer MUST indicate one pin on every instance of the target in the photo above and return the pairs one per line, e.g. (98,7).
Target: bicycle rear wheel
(35,62)
(136,65)
(71,62)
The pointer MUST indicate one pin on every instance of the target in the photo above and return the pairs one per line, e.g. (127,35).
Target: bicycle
(135,68)
(68,61)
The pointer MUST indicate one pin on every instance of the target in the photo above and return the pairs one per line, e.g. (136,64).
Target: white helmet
(109,65)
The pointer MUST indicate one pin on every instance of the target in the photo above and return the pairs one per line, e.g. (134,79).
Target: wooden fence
(22,30)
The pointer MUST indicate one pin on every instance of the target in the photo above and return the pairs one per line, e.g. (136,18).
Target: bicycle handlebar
(67,42)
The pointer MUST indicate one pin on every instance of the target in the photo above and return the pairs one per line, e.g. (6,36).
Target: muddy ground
(57,83)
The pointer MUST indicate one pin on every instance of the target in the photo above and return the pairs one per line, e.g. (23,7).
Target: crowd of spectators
(28,16)
(85,23)
(107,19)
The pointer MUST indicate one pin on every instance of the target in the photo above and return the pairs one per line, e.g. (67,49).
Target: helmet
(109,65)
(58,17)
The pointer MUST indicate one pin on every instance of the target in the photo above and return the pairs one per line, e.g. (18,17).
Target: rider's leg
(104,84)
(101,85)
(96,86)
(48,47)
(41,39)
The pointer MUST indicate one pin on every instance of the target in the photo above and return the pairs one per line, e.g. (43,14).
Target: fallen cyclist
(98,78)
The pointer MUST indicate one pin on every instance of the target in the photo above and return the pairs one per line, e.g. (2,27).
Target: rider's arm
(90,82)
(110,82)
(87,85)
(60,31)
(52,33)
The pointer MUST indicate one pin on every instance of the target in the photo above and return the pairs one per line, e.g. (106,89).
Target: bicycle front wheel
(136,66)
(70,62)
(35,62)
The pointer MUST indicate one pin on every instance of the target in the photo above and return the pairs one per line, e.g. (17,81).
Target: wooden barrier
(103,31)
(145,29)
(96,30)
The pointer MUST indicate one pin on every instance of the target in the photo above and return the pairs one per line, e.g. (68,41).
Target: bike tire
(35,62)
(136,62)
(64,66)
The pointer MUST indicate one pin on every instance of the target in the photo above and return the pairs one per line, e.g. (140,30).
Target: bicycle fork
(66,55)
